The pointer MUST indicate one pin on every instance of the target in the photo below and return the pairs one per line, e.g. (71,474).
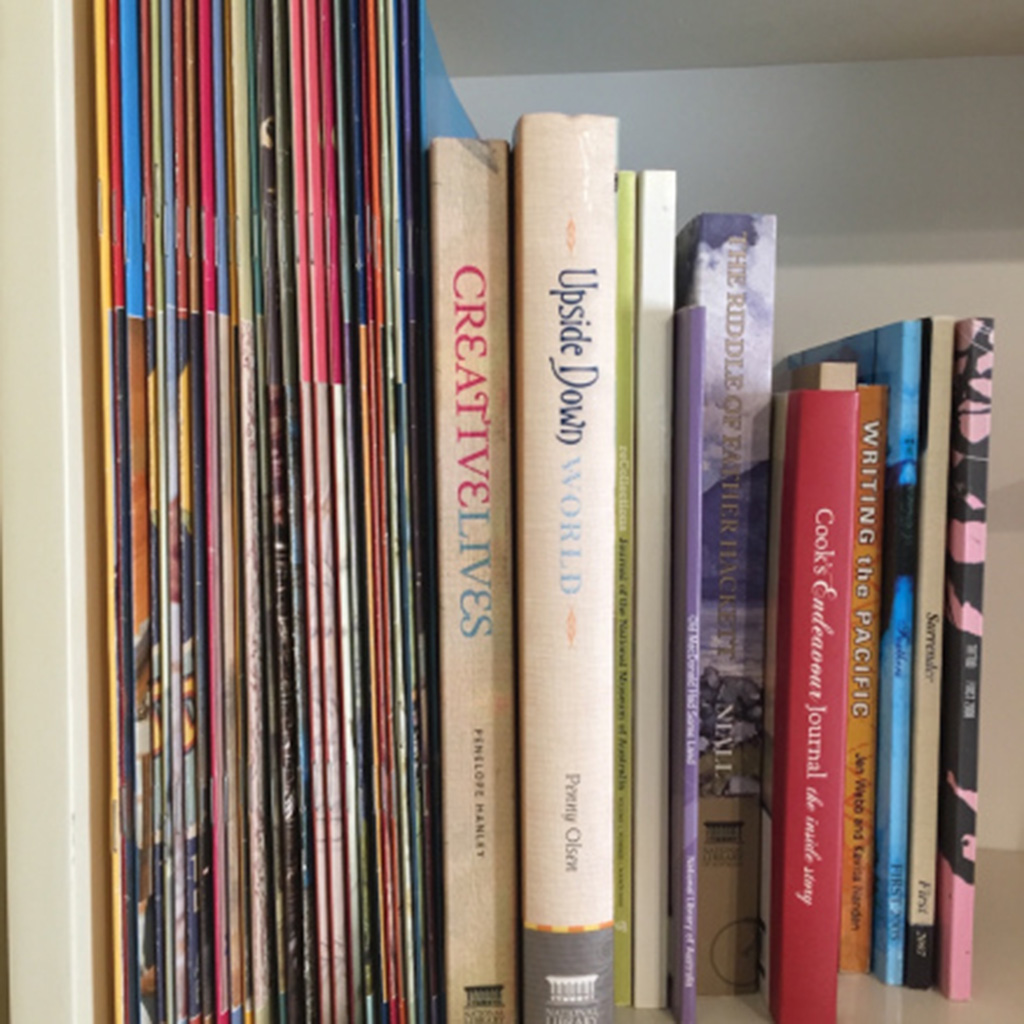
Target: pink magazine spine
(299,58)
(209,307)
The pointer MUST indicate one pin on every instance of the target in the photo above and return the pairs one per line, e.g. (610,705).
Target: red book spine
(815,573)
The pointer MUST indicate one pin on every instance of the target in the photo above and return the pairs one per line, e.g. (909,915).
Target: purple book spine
(686,596)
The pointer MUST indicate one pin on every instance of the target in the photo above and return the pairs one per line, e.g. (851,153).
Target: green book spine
(625,434)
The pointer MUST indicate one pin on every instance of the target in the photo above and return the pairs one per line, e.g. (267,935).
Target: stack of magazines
(274,737)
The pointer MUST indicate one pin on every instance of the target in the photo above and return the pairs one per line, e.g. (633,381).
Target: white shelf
(998,974)
(502,37)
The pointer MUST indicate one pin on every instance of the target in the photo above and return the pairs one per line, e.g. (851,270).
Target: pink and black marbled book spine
(961,684)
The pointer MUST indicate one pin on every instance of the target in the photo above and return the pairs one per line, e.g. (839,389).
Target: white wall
(899,188)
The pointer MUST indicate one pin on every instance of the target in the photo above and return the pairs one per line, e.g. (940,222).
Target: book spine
(157,442)
(227,473)
(299,912)
(252,836)
(165,102)
(193,387)
(625,440)
(344,949)
(778,464)
(899,566)
(965,576)
(656,225)
(277,579)
(727,264)
(684,765)
(340,256)
(110,497)
(565,395)
(212,553)
(862,697)
(313,621)
(470,249)
(936,396)
(371,982)
(812,650)
(183,161)
(140,660)
(334,994)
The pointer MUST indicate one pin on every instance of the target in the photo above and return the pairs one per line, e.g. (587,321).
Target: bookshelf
(920,210)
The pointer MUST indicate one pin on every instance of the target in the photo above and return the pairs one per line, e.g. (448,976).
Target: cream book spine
(469,203)
(565,284)
(929,614)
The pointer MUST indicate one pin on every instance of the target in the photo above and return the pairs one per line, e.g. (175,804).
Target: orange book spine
(862,719)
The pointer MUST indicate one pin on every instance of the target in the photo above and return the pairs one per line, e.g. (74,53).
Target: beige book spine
(469,202)
(929,611)
(565,261)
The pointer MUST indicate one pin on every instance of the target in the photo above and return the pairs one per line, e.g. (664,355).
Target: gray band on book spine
(568,978)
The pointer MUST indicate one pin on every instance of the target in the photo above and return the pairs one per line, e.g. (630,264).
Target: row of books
(436,664)
(879,478)
(794,610)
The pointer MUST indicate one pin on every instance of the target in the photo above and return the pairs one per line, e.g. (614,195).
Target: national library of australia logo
(572,999)
(723,842)
(484,1005)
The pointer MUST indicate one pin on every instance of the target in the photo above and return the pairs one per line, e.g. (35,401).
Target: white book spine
(655,281)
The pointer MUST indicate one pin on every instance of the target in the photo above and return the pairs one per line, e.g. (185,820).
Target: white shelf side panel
(54,723)
(899,194)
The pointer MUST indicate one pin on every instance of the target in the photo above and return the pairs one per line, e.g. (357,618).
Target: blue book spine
(891,356)
(142,927)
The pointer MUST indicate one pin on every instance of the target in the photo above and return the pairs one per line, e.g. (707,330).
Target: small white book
(655,295)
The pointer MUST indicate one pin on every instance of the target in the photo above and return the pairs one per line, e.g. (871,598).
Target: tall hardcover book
(815,536)
(684,693)
(625,518)
(862,694)
(565,260)
(656,227)
(891,356)
(726,263)
(961,681)
(933,472)
(469,199)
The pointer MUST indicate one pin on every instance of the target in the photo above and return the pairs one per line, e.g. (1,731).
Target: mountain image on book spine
(723,691)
